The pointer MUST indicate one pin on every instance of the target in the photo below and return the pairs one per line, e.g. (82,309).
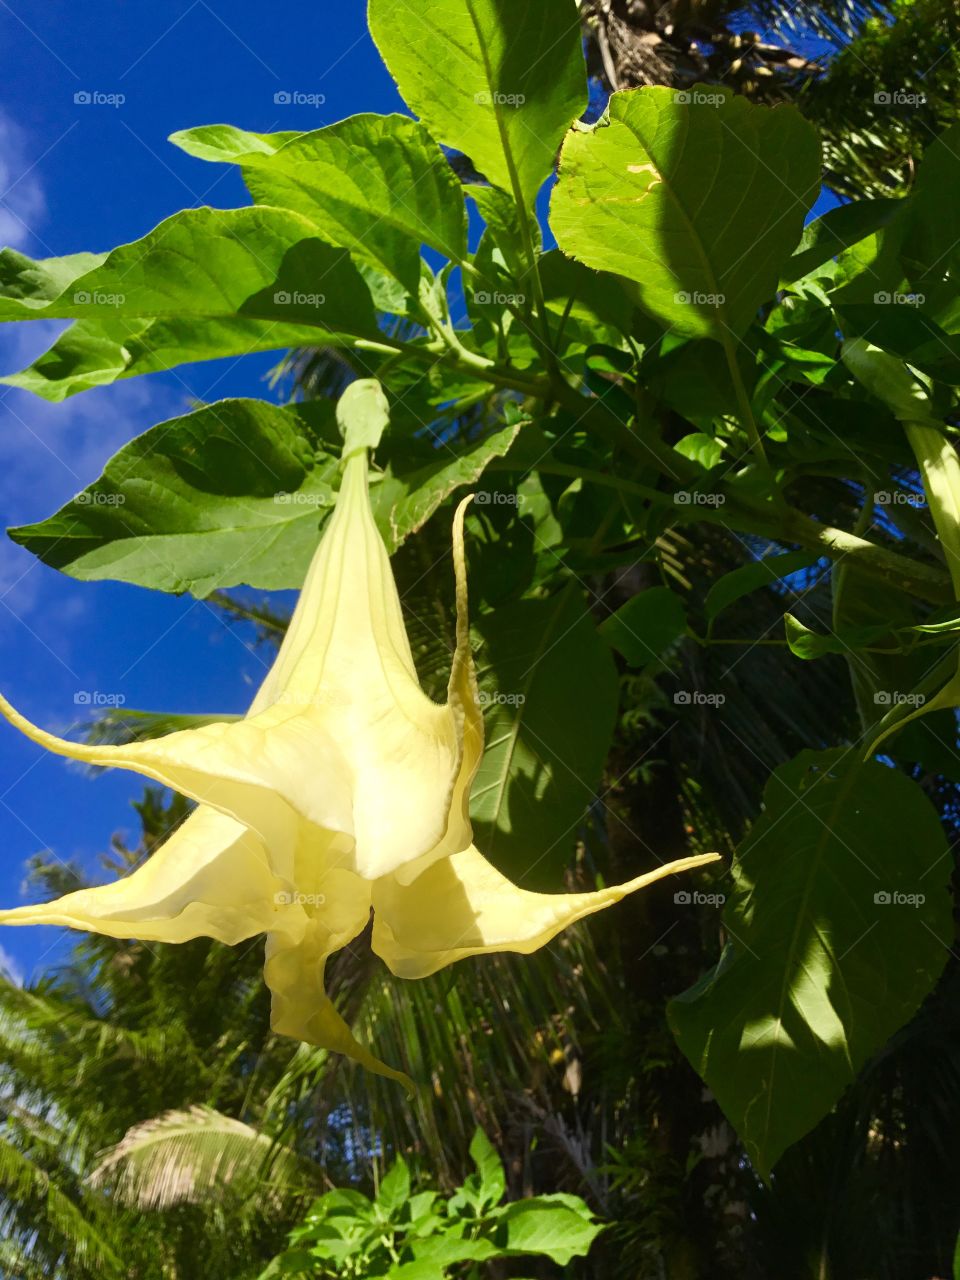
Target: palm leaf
(188,1157)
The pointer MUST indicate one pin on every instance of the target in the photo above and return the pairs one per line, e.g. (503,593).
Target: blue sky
(75,176)
(82,176)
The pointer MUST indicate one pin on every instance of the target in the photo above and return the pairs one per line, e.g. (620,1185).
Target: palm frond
(191,1156)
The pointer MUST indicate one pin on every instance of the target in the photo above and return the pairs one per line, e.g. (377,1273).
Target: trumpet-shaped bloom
(344,789)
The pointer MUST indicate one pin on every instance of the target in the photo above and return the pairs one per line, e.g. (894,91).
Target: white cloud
(22,203)
(49,452)
(9,968)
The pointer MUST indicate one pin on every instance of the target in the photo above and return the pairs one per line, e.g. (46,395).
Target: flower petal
(340,736)
(294,972)
(209,879)
(463,906)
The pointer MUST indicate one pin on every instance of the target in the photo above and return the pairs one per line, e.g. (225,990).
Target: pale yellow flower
(344,789)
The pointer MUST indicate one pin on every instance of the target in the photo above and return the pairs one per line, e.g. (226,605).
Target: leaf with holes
(697,197)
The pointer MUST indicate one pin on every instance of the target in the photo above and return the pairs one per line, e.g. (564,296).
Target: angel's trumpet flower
(344,788)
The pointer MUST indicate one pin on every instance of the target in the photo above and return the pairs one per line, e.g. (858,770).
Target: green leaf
(395,1188)
(493,1183)
(699,203)
(549,686)
(223,143)
(236,492)
(422,472)
(35,283)
(595,297)
(95,353)
(499,81)
(900,327)
(646,625)
(376,185)
(809,645)
(917,255)
(768,572)
(504,228)
(218,265)
(838,229)
(550,1225)
(839,923)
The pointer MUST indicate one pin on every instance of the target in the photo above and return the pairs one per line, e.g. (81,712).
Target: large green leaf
(915,260)
(839,924)
(95,353)
(35,283)
(699,198)
(216,265)
(558,1225)
(376,185)
(498,80)
(421,473)
(646,625)
(549,686)
(235,493)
